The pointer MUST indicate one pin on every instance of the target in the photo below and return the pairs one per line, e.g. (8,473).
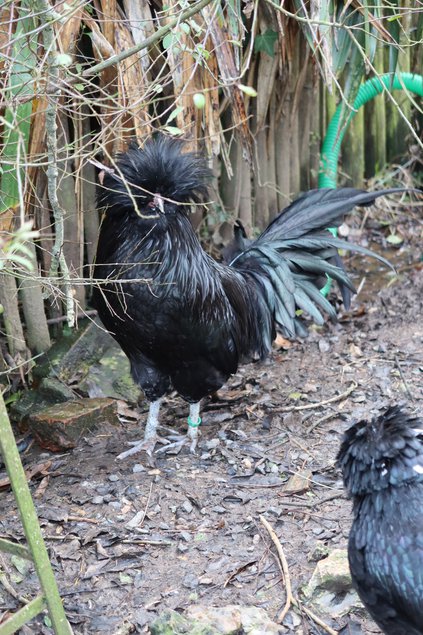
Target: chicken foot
(151,438)
(191,437)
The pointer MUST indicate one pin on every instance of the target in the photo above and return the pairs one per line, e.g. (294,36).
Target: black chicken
(382,464)
(184,320)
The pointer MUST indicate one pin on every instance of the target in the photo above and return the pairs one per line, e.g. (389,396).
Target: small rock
(231,620)
(98,500)
(187,507)
(298,483)
(190,581)
(61,426)
(320,551)
(212,444)
(115,504)
(113,478)
(138,468)
(102,490)
(205,580)
(182,547)
(331,574)
(170,622)
(324,345)
(135,520)
(218,509)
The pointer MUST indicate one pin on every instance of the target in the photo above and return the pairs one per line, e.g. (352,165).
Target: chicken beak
(159,203)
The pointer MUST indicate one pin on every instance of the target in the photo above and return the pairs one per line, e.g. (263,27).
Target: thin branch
(284,565)
(320,403)
(290,599)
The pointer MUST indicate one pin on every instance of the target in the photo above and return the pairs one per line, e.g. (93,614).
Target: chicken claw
(191,437)
(143,445)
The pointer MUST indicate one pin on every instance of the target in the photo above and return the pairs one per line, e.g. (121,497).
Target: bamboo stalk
(353,150)
(375,137)
(32,529)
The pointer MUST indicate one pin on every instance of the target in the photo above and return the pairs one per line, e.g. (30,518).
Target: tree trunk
(11,317)
(37,332)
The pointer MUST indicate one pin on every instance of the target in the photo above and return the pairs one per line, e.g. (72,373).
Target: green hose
(332,142)
(333,139)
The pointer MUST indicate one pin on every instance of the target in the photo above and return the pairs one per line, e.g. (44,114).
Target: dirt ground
(128,540)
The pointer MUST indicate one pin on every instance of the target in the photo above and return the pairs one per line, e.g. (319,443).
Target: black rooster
(382,464)
(184,320)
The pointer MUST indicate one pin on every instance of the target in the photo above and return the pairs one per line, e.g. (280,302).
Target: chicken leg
(194,421)
(151,437)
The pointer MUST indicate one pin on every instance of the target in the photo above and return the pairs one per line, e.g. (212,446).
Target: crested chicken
(184,320)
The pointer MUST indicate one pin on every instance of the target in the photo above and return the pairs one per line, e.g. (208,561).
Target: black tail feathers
(295,253)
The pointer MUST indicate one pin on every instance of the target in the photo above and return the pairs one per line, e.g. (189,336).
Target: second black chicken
(382,464)
(184,320)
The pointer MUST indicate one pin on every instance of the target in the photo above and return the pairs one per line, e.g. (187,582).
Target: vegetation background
(252,84)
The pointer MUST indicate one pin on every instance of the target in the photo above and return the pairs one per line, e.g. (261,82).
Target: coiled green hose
(332,142)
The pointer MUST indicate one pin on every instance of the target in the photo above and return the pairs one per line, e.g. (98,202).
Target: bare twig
(320,403)
(317,620)
(284,566)
(316,423)
(404,381)
(290,599)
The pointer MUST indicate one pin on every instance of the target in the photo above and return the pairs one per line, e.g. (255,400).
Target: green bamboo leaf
(173,130)
(175,112)
(233,20)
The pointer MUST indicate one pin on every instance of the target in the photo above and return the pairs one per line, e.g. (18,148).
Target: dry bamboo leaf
(110,16)
(30,473)
(141,25)
(133,84)
(103,49)
(68,32)
(101,46)
(229,75)
(267,69)
(5,41)
(211,110)
(36,148)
